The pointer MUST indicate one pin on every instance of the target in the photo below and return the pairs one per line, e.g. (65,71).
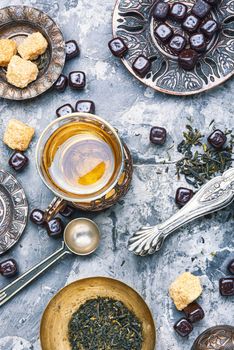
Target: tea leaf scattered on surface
(200,160)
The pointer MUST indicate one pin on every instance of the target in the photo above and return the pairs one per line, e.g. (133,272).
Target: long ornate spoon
(81,237)
(213,196)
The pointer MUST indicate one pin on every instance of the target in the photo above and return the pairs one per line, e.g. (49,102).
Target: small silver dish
(13,211)
(17,22)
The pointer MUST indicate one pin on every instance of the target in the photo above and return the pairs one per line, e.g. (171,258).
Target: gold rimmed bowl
(54,323)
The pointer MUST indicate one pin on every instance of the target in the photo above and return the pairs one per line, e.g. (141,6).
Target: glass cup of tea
(81,159)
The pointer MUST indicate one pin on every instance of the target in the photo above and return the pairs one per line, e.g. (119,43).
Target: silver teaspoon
(81,237)
(213,196)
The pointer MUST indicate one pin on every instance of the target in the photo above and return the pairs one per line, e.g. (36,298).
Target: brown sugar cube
(185,289)
(8,49)
(18,135)
(33,46)
(21,72)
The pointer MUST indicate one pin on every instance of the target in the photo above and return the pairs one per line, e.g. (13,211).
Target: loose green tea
(201,161)
(104,324)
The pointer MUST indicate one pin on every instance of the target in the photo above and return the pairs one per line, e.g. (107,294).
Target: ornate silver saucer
(215,338)
(216,194)
(13,211)
(17,22)
(132,22)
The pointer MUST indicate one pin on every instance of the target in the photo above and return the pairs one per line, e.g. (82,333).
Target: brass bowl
(54,323)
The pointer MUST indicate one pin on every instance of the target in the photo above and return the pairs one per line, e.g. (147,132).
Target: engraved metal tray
(17,22)
(132,21)
(215,338)
(13,211)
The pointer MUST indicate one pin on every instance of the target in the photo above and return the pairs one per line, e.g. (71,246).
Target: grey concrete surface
(203,247)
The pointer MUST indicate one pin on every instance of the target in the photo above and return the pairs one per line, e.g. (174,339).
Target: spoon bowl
(82,236)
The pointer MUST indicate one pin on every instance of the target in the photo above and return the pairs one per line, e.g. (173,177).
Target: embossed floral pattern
(214,195)
(13,211)
(216,338)
(53,59)
(132,21)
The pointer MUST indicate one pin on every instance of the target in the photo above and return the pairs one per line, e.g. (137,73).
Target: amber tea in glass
(81,158)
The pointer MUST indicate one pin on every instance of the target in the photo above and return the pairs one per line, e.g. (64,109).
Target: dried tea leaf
(200,161)
(104,324)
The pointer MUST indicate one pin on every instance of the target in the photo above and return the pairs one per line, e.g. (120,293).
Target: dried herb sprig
(104,324)
(201,161)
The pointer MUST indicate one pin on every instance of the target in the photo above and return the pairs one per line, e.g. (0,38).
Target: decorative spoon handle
(22,281)
(214,195)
